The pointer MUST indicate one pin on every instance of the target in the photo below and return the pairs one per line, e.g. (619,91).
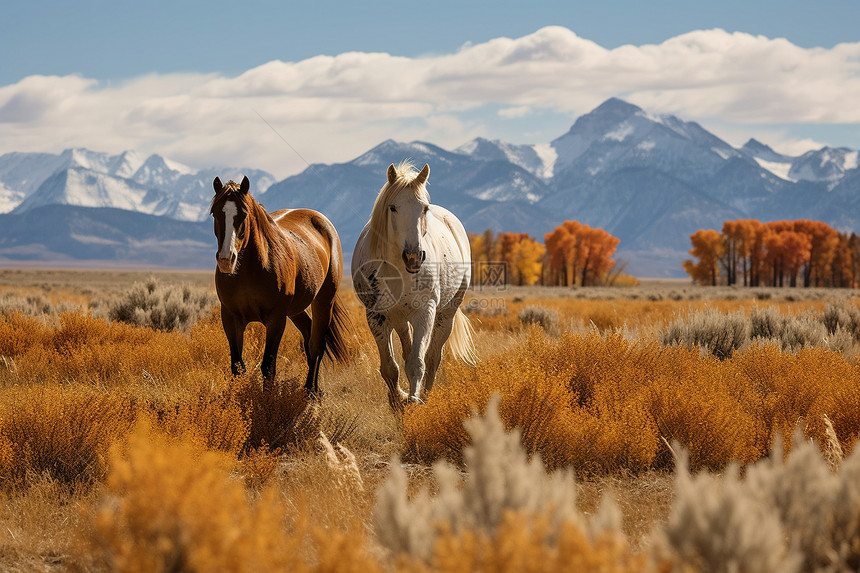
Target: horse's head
(230,211)
(404,206)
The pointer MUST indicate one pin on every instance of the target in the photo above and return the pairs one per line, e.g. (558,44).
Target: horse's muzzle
(227,265)
(413,260)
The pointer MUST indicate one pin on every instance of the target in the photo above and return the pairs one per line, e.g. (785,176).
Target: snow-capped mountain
(538,159)
(826,164)
(22,173)
(650,180)
(618,135)
(153,185)
(767,158)
(470,187)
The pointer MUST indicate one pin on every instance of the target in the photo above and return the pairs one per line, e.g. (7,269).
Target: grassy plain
(128,448)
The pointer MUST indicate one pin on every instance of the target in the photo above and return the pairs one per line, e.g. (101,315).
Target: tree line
(777,253)
(572,254)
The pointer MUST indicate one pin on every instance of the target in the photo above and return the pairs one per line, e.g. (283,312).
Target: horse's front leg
(381,328)
(234,328)
(422,330)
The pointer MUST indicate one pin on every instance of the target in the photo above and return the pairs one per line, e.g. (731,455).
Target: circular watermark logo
(379,285)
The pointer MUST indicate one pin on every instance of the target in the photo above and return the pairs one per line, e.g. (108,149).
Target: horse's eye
(392,208)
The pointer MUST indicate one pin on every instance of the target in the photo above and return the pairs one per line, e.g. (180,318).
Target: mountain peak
(125,164)
(391,151)
(616,107)
(602,119)
(482,148)
(755,145)
(84,158)
(758,150)
(539,160)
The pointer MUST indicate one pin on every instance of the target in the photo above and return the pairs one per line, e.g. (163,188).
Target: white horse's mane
(406,175)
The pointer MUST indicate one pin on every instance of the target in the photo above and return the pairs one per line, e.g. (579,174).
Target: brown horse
(274,267)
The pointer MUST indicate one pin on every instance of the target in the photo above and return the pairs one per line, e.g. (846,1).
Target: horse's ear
(392,173)
(422,177)
(217,185)
(245,186)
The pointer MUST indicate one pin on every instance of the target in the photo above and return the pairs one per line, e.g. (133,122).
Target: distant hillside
(63,233)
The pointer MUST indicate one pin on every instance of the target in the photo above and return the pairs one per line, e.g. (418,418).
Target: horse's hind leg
(274,333)
(303,323)
(321,308)
(441,331)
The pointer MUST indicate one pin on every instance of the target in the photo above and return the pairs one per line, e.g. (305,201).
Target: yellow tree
(480,255)
(529,260)
(507,247)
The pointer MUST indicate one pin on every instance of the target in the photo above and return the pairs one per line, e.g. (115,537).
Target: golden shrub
(212,421)
(63,431)
(283,416)
(600,403)
(170,505)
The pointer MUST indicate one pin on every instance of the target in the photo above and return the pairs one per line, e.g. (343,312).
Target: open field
(127,447)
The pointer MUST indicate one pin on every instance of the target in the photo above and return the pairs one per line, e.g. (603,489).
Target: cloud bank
(332,108)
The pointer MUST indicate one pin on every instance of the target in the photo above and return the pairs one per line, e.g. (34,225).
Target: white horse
(411,269)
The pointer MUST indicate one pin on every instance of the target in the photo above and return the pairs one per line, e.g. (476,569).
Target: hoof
(413,400)
(314,395)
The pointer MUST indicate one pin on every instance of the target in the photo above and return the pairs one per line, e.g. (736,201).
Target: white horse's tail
(461,343)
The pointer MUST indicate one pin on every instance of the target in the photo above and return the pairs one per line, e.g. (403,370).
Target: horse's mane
(406,174)
(261,228)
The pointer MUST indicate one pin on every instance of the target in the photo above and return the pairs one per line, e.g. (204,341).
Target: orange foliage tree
(776,253)
(579,254)
(708,247)
(845,270)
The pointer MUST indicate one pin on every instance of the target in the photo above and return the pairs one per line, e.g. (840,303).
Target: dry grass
(140,440)
(604,403)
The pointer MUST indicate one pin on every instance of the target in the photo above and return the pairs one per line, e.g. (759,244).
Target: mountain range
(650,180)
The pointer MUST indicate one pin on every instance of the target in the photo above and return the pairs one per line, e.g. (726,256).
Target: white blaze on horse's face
(407,225)
(228,254)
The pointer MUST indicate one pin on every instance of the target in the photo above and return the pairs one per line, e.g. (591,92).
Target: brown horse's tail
(341,332)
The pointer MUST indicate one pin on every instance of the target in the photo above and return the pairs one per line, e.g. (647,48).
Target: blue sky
(190,79)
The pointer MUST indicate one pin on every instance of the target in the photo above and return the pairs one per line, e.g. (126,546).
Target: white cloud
(515,112)
(333,108)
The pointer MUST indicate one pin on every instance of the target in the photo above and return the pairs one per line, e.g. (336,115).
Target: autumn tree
(845,268)
(480,255)
(563,252)
(708,247)
(742,251)
(796,249)
(823,240)
(597,247)
(521,255)
(776,253)
(529,261)
(579,254)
